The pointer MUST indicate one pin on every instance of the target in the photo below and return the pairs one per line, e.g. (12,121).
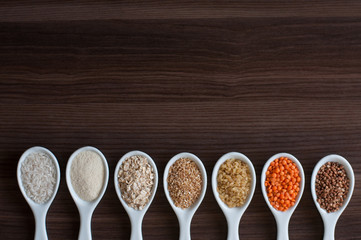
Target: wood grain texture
(165,77)
(45,10)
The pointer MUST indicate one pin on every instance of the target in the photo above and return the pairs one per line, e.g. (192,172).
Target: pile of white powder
(87,175)
(38,175)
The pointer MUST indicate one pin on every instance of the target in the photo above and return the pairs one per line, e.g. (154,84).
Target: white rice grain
(38,175)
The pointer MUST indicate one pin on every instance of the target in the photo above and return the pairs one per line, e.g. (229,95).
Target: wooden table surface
(208,77)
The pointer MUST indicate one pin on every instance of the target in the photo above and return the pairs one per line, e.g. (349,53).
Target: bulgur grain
(234,182)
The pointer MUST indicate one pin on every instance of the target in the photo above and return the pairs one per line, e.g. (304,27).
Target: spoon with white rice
(38,175)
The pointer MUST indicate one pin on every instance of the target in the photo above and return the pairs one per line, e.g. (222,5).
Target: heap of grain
(136,181)
(38,175)
(234,182)
(184,182)
(332,186)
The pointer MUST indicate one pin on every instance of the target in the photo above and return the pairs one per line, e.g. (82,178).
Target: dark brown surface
(164,77)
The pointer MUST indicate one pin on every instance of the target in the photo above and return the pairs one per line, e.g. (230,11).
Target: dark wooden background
(208,77)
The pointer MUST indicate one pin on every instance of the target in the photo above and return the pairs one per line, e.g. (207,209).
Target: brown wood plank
(117,61)
(45,10)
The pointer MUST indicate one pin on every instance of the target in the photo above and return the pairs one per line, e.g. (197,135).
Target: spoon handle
(85,225)
(40,229)
(136,229)
(282,230)
(329,233)
(185,228)
(233,228)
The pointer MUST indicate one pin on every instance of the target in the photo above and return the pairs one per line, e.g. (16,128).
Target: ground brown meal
(184,182)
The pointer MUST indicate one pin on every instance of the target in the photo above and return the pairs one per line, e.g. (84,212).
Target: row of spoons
(233,215)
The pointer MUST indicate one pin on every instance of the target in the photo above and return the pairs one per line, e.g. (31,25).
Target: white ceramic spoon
(233,215)
(39,210)
(86,208)
(330,219)
(136,216)
(283,218)
(185,215)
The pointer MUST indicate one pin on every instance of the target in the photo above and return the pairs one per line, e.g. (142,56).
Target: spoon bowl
(39,209)
(136,216)
(185,215)
(283,218)
(233,215)
(330,219)
(86,208)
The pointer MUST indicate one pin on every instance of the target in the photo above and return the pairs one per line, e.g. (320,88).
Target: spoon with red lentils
(332,185)
(282,183)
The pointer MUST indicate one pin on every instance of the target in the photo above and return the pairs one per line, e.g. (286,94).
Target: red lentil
(282,183)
